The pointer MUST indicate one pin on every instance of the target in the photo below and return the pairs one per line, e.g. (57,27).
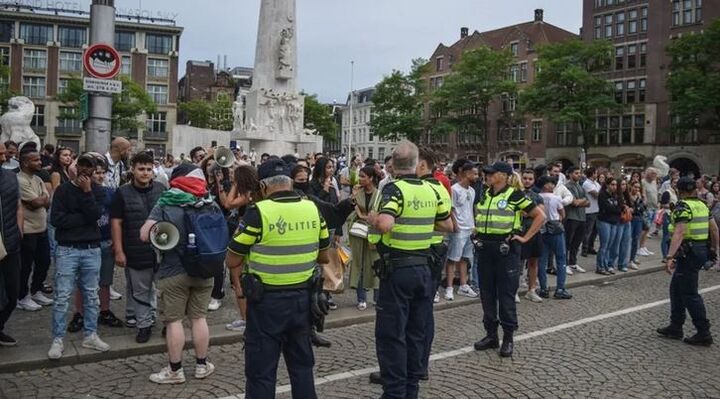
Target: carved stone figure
(238,114)
(285,59)
(15,123)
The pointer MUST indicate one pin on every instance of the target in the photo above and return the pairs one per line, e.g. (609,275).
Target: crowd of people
(88,214)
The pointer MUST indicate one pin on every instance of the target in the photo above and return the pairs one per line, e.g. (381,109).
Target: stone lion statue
(15,123)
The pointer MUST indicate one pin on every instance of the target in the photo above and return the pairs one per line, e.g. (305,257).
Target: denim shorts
(460,246)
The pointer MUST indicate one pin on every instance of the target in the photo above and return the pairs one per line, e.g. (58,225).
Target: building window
(370,153)
(639,134)
(537,131)
(619,92)
(4,56)
(564,134)
(439,64)
(158,44)
(124,41)
(632,51)
(7,31)
(157,122)
(619,58)
(157,68)
(632,21)
(614,131)
(515,72)
(686,12)
(126,66)
(641,90)
(524,72)
(70,62)
(36,34)
(34,87)
(644,19)
(158,93)
(38,119)
(71,36)
(643,55)
(602,124)
(381,153)
(70,123)
(608,25)
(62,85)
(598,27)
(514,49)
(517,133)
(626,136)
(620,24)
(34,59)
(630,93)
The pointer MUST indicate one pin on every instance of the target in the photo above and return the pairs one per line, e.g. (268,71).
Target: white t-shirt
(651,193)
(589,186)
(553,205)
(463,199)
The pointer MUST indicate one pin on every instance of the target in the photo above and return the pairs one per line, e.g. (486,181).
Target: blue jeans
(608,244)
(553,243)
(622,257)
(82,267)
(636,227)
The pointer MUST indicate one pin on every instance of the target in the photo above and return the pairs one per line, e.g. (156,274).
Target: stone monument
(270,116)
(15,123)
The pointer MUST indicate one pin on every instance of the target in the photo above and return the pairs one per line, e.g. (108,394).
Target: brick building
(523,142)
(641,30)
(43,48)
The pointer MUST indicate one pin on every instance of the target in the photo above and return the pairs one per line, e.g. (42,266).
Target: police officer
(691,227)
(281,241)
(409,210)
(497,225)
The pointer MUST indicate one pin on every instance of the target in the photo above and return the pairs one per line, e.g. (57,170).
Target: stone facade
(356,130)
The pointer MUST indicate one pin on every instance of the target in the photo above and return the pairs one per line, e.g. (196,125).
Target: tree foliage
(462,102)
(197,112)
(694,80)
(569,87)
(397,111)
(132,102)
(319,118)
(5,92)
(204,114)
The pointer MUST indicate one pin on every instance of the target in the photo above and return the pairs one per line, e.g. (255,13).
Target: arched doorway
(686,166)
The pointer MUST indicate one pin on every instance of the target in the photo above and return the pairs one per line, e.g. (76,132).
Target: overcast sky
(379,35)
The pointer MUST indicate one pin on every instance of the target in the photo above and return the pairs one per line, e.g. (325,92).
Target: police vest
(495,215)
(445,198)
(288,251)
(699,225)
(413,228)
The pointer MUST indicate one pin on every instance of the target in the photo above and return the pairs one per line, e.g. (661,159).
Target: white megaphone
(164,236)
(224,157)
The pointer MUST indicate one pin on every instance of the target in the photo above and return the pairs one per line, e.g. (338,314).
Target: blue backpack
(206,258)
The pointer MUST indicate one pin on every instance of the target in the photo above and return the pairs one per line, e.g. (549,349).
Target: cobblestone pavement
(617,357)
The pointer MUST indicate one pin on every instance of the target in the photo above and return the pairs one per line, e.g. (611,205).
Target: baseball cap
(686,184)
(273,167)
(502,167)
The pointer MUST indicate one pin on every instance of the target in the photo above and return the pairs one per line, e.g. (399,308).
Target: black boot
(376,378)
(489,342)
(506,350)
(671,331)
(700,339)
(143,335)
(319,341)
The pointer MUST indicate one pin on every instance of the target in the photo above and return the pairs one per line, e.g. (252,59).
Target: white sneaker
(532,296)
(634,266)
(28,304)
(167,376)
(362,306)
(94,342)
(214,304)
(56,349)
(578,269)
(517,298)
(204,370)
(114,295)
(569,270)
(237,325)
(649,252)
(41,299)
(437,297)
(449,294)
(465,290)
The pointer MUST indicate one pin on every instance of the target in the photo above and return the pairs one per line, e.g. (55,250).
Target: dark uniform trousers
(10,269)
(280,323)
(439,257)
(499,280)
(404,309)
(684,290)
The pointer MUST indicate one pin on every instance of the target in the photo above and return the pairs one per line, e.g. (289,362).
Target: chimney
(539,15)
(217,66)
(225,63)
(464,32)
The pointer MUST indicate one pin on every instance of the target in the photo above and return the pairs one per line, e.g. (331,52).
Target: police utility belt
(493,241)
(389,262)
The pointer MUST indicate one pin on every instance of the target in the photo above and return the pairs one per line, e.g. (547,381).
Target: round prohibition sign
(101,61)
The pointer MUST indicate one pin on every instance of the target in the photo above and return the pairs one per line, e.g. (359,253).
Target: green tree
(197,112)
(398,101)
(694,80)
(5,92)
(221,116)
(462,103)
(132,102)
(569,87)
(318,117)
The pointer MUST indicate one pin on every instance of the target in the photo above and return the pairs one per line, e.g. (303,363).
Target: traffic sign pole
(98,127)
